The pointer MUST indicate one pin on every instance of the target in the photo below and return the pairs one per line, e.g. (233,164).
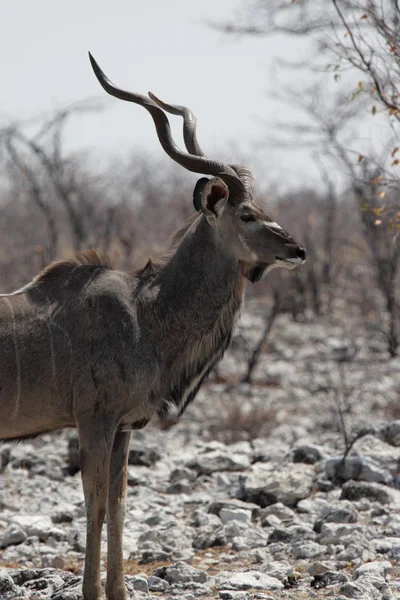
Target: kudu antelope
(84,345)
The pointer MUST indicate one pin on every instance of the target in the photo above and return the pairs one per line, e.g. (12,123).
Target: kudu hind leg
(115,586)
(96,438)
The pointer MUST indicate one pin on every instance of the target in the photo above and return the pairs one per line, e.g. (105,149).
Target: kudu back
(84,345)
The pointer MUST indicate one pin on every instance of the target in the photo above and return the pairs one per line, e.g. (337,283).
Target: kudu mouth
(295,255)
(289,263)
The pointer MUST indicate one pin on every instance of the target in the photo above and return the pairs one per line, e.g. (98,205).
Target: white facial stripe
(272,224)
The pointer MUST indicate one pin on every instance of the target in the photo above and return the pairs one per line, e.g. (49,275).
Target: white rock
(227,514)
(279,372)
(358,468)
(279,569)
(231,595)
(249,580)
(307,549)
(235,528)
(181,572)
(268,485)
(156,584)
(333,533)
(377,568)
(211,462)
(140,584)
(284,513)
(39,525)
(12,535)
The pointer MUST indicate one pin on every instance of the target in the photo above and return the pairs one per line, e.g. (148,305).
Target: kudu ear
(214,197)
(197,192)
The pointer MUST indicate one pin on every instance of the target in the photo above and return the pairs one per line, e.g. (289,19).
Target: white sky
(165,47)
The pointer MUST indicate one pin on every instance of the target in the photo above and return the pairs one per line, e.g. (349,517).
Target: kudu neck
(203,267)
(201,282)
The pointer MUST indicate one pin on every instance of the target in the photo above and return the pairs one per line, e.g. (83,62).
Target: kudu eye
(248,218)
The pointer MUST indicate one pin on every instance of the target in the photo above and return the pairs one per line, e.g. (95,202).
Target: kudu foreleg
(96,438)
(115,586)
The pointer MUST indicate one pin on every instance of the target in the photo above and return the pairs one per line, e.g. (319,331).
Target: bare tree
(256,352)
(45,149)
(356,39)
(360,39)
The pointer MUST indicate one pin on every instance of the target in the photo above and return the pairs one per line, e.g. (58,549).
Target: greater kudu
(84,345)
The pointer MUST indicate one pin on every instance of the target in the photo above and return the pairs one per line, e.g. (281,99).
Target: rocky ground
(248,496)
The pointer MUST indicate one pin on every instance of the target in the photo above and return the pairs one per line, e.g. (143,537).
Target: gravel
(274,515)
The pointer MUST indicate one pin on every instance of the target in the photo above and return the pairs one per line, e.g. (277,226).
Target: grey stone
(355,490)
(209,536)
(280,569)
(341,515)
(154,554)
(350,553)
(76,539)
(378,568)
(5,457)
(140,584)
(201,519)
(231,595)
(71,591)
(278,372)
(142,456)
(179,487)
(390,433)
(358,468)
(307,454)
(249,580)
(326,578)
(292,533)
(39,525)
(156,584)
(235,528)
(284,513)
(324,485)
(6,582)
(238,514)
(318,568)
(63,514)
(271,521)
(240,543)
(333,533)
(307,549)
(12,535)
(266,485)
(183,473)
(211,462)
(352,590)
(316,506)
(181,572)
(233,504)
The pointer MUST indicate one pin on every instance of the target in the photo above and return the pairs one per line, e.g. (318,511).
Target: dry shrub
(240,420)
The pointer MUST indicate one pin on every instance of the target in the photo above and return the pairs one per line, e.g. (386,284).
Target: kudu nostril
(301,253)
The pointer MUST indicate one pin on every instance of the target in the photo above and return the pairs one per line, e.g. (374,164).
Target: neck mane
(197,297)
